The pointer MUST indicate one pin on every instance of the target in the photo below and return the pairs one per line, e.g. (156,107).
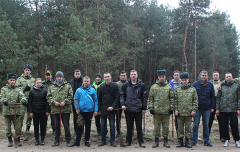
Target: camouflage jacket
(12,94)
(228,98)
(160,98)
(186,100)
(62,93)
(46,84)
(24,81)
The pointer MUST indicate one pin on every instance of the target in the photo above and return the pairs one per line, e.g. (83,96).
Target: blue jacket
(86,100)
(206,95)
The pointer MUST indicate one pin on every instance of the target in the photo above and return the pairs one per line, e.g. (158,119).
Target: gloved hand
(5,103)
(27,88)
(152,112)
(24,103)
(170,112)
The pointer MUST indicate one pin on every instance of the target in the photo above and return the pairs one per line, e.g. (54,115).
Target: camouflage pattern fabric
(161,120)
(10,119)
(187,121)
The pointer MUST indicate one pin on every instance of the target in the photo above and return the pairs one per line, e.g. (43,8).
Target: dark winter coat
(37,102)
(108,96)
(134,98)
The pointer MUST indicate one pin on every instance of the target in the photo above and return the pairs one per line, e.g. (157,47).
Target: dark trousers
(75,117)
(118,120)
(52,122)
(225,117)
(98,124)
(65,120)
(111,119)
(211,119)
(87,117)
(131,116)
(176,124)
(39,118)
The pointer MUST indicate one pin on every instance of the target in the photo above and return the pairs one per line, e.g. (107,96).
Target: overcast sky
(231,7)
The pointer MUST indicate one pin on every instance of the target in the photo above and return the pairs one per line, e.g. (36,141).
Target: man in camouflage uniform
(186,105)
(60,96)
(26,82)
(161,105)
(12,94)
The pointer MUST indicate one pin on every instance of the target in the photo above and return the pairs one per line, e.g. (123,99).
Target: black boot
(42,141)
(180,143)
(36,141)
(187,143)
(165,144)
(10,141)
(156,144)
(19,144)
(27,129)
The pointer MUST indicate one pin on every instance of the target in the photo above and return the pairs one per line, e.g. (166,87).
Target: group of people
(106,99)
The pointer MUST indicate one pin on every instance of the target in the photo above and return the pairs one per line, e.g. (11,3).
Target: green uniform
(22,82)
(186,102)
(62,93)
(46,84)
(12,94)
(161,101)
(120,84)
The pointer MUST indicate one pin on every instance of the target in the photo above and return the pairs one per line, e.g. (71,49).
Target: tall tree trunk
(195,48)
(38,39)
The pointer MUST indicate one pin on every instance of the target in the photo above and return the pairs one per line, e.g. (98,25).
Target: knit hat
(161,72)
(184,75)
(98,75)
(11,75)
(59,73)
(27,66)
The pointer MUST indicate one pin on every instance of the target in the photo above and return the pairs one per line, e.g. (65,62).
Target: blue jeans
(205,120)
(111,119)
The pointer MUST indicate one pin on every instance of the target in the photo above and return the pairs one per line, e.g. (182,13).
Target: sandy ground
(28,141)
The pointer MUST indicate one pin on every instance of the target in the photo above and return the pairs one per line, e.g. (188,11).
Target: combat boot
(156,144)
(180,143)
(42,141)
(19,144)
(10,141)
(165,144)
(36,141)
(187,143)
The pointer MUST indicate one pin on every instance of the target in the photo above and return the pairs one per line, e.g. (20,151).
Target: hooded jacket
(134,97)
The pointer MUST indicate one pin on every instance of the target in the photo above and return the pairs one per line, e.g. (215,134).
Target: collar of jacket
(41,87)
(11,86)
(110,84)
(86,88)
(63,82)
(77,80)
(227,84)
(186,86)
(25,76)
(203,83)
(138,81)
(161,83)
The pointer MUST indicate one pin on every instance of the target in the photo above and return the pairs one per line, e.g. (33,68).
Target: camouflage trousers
(161,120)
(10,119)
(28,120)
(187,121)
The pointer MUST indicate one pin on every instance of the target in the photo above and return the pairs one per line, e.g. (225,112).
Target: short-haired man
(60,96)
(186,104)
(133,98)
(175,82)
(227,107)
(12,94)
(98,81)
(216,83)
(206,103)
(123,79)
(26,82)
(86,103)
(161,105)
(76,82)
(108,96)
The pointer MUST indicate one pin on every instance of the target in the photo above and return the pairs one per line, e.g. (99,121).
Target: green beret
(184,75)
(161,72)
(27,66)
(11,75)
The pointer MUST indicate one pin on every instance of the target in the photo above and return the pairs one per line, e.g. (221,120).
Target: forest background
(97,36)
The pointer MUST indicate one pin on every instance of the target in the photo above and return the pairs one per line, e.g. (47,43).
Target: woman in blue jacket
(86,103)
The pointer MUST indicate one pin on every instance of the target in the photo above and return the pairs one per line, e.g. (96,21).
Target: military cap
(28,66)
(48,72)
(161,72)
(11,75)
(98,75)
(184,75)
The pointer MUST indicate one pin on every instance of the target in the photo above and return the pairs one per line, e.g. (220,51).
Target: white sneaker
(227,143)
(237,144)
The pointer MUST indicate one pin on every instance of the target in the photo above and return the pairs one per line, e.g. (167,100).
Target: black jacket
(72,81)
(37,102)
(108,96)
(134,98)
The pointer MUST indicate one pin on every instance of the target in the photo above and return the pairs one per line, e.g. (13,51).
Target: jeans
(205,120)
(111,119)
